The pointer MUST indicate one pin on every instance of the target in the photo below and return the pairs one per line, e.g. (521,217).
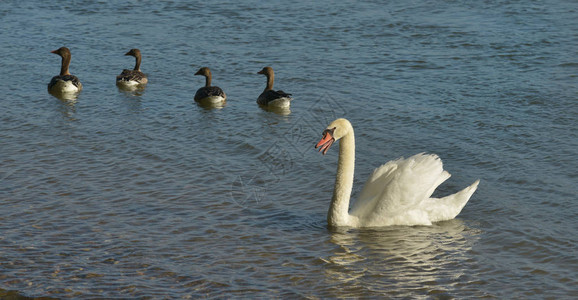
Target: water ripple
(148,195)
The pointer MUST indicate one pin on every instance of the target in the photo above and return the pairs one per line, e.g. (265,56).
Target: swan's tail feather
(450,206)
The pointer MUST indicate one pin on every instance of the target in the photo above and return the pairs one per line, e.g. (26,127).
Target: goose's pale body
(209,94)
(208,99)
(130,78)
(274,99)
(64,83)
(270,97)
(397,193)
(135,77)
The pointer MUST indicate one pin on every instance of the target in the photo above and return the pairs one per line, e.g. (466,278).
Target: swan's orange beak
(326,141)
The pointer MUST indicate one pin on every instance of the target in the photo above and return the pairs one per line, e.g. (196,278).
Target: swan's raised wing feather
(398,187)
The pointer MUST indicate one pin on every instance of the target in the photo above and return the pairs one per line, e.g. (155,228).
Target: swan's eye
(329,131)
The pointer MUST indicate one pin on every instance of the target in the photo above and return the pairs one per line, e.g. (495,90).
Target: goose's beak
(54,51)
(261,72)
(326,141)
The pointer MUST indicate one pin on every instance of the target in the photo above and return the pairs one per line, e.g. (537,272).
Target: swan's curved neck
(338,214)
(65,65)
(270,80)
(137,64)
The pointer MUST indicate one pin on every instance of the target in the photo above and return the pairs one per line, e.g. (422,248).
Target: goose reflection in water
(132,90)
(211,105)
(419,256)
(69,98)
(282,111)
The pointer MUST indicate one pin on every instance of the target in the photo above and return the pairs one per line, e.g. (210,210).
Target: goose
(134,77)
(269,97)
(209,94)
(65,82)
(397,193)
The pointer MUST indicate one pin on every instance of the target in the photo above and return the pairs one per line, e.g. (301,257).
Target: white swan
(397,193)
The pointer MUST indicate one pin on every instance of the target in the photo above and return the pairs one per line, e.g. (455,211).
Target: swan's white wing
(396,190)
(449,207)
(374,187)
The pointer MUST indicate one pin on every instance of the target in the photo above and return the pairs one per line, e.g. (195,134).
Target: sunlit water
(148,195)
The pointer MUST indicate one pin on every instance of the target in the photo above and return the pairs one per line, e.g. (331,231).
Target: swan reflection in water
(381,259)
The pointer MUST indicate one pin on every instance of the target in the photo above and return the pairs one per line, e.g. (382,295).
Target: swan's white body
(397,193)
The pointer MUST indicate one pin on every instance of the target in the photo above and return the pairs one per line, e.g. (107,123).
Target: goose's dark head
(267,71)
(204,71)
(62,52)
(133,52)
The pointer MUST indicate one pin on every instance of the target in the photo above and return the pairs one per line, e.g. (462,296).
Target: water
(148,195)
